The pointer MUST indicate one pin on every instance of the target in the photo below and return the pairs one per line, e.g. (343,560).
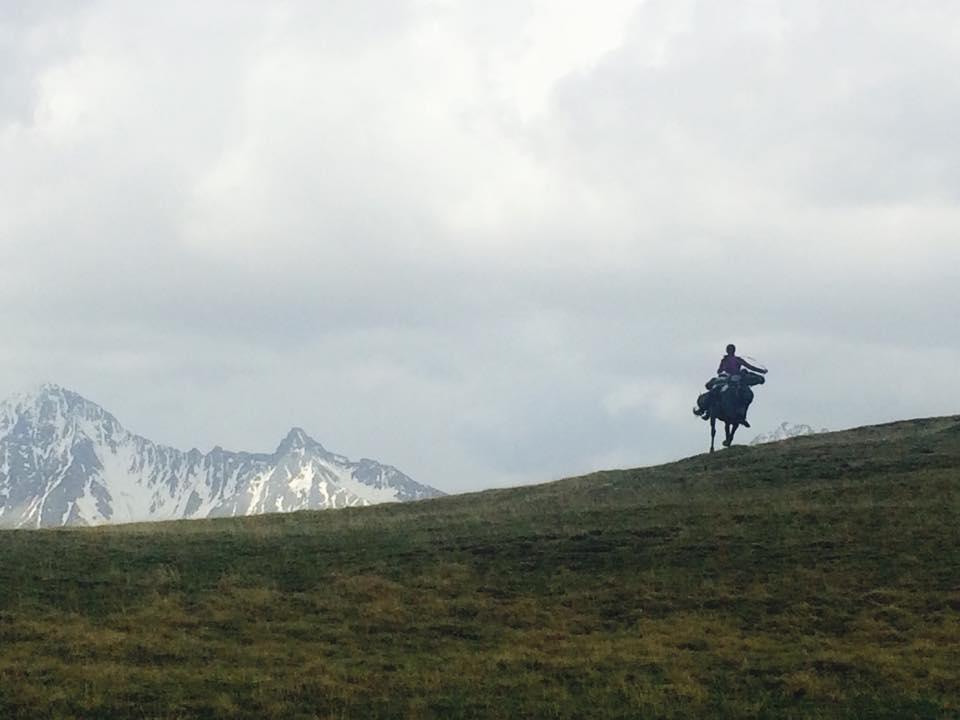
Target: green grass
(816,578)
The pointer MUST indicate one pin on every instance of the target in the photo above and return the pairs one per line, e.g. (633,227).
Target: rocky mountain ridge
(64,460)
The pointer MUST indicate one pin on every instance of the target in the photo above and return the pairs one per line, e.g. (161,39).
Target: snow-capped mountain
(785,430)
(66,461)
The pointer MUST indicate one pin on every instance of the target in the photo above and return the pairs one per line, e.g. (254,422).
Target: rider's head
(731,349)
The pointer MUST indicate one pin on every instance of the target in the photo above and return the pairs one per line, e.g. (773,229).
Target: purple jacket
(732,365)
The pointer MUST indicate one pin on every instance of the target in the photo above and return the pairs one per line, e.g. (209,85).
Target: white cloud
(489,243)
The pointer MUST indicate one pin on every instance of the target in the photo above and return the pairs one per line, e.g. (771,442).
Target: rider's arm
(752,367)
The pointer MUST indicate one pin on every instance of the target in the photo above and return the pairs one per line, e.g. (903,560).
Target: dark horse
(728,404)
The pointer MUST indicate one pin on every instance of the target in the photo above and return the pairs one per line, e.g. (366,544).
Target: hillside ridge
(830,452)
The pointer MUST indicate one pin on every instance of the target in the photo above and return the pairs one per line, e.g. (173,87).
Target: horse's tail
(702,408)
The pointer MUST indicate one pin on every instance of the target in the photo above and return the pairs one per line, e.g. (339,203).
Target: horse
(729,405)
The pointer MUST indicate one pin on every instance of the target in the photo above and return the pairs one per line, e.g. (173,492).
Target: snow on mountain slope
(783,431)
(66,461)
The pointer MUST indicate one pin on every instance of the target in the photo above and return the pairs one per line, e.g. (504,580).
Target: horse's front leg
(713,432)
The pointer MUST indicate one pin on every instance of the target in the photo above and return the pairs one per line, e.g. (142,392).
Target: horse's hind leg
(731,430)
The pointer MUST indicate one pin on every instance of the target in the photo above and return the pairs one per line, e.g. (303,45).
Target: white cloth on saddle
(729,381)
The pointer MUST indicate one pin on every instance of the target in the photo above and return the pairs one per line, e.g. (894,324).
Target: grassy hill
(818,577)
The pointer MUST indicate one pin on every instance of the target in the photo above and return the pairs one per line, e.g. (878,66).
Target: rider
(731,365)
(730,369)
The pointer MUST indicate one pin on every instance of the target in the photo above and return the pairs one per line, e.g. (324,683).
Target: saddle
(744,379)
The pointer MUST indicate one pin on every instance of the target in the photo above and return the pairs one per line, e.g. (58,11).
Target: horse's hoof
(726,443)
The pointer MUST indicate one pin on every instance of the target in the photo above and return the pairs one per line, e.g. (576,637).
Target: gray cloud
(488,245)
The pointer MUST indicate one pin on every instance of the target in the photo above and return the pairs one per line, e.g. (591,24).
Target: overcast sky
(490,243)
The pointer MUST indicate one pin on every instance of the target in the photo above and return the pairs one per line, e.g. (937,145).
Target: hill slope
(817,577)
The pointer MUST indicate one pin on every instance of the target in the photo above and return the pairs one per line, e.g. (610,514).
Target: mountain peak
(50,392)
(297,439)
(50,403)
(49,388)
(785,431)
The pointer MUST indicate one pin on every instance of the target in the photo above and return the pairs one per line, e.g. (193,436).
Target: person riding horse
(729,376)
(732,365)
